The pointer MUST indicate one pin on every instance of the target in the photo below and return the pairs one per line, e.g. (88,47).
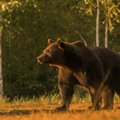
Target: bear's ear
(50,41)
(60,43)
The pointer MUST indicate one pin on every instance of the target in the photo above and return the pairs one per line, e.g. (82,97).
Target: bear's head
(54,53)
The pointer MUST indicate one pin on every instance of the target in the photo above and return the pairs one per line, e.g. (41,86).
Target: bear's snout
(43,58)
(40,59)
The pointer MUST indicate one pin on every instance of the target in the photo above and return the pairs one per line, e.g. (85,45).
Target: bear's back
(107,56)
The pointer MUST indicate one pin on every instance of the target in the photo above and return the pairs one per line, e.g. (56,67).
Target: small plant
(116,98)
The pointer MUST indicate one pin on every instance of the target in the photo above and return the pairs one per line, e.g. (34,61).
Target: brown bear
(84,62)
(67,81)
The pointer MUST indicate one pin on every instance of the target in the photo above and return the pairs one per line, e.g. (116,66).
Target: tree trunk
(106,32)
(1,80)
(97,24)
(106,23)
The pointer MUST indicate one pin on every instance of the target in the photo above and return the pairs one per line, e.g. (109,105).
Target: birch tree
(97,23)
(106,27)
(1,80)
(112,14)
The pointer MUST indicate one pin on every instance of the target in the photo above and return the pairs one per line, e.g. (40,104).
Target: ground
(36,110)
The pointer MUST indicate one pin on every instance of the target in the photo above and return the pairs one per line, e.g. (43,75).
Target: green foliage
(110,14)
(109,8)
(26,25)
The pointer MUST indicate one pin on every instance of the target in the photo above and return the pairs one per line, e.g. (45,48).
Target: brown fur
(91,63)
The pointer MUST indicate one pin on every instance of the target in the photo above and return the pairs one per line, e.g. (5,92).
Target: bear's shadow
(27,112)
(18,112)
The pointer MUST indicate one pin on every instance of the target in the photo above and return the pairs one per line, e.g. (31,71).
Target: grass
(41,109)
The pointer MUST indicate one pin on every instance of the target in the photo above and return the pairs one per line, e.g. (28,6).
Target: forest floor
(44,111)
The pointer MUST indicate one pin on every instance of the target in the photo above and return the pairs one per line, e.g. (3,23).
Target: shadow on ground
(27,112)
(18,112)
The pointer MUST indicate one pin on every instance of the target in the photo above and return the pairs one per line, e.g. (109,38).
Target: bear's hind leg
(108,96)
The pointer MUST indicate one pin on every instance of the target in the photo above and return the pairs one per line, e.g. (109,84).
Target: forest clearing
(86,34)
(43,112)
(36,109)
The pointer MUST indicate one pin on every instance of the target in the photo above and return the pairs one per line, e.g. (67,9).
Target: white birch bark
(97,23)
(106,32)
(1,80)
(106,24)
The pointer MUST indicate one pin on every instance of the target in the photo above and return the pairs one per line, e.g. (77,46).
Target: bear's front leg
(66,93)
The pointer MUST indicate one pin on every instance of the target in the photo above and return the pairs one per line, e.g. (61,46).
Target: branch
(81,37)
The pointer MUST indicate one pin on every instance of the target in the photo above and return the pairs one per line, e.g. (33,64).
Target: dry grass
(43,111)
(65,116)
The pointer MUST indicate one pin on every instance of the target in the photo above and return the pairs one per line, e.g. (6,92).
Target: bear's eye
(48,52)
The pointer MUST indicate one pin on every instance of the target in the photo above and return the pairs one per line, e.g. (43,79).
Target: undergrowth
(50,99)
